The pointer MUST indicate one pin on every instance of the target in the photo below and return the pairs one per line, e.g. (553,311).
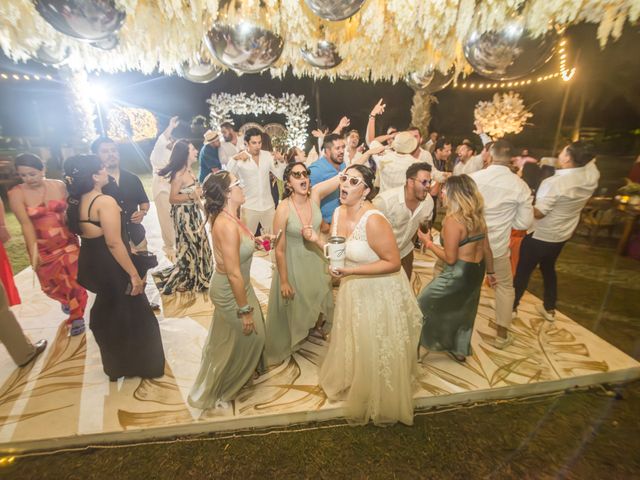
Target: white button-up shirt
(507,205)
(403,222)
(561,198)
(228,150)
(159,159)
(392,167)
(255,176)
(348,159)
(473,165)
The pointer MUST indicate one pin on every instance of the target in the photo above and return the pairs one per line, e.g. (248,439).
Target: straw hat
(404,142)
(210,136)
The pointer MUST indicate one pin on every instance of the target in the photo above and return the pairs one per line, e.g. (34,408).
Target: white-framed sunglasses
(353,181)
(237,183)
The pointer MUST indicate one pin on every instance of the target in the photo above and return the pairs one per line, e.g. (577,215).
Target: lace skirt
(372,356)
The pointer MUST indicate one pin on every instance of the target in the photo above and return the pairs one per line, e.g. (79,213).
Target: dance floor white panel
(64,398)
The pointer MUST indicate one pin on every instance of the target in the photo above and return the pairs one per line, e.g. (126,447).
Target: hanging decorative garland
(131,124)
(293,107)
(505,114)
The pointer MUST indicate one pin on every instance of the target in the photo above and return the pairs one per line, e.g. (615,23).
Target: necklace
(240,224)
(302,222)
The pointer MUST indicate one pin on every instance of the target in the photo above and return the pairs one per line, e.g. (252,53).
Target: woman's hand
(248,326)
(339,272)
(287,292)
(137,286)
(5,236)
(425,238)
(491,280)
(309,234)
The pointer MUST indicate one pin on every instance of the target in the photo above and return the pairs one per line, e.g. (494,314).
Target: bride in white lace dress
(372,354)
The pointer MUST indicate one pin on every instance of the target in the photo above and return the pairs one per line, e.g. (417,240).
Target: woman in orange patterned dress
(40,205)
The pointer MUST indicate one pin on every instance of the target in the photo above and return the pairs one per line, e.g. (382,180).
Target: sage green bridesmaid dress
(449,305)
(229,358)
(289,321)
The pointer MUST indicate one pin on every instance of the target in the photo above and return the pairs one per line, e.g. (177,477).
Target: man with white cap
(393,163)
(208,157)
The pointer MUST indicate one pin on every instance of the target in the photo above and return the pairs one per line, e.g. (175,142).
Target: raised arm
(109,215)
(371,124)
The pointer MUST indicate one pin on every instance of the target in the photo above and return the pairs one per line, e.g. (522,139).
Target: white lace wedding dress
(373,346)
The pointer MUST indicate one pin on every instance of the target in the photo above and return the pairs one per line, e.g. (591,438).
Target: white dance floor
(64,398)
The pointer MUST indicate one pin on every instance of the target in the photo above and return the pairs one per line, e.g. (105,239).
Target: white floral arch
(293,107)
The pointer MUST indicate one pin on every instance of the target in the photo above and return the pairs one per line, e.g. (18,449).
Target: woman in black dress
(122,322)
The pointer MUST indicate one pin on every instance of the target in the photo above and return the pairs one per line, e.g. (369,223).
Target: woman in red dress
(40,205)
(6,273)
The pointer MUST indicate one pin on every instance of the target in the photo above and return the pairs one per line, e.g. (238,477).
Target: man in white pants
(252,168)
(507,205)
(160,187)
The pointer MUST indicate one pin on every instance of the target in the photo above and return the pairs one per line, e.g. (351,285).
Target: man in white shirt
(233,143)
(559,202)
(507,205)
(431,143)
(252,168)
(161,188)
(407,207)
(353,149)
(392,164)
(465,152)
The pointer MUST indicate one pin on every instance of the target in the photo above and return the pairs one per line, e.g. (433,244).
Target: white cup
(335,251)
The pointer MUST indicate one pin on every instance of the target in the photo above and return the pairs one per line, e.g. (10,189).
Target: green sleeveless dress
(229,358)
(289,321)
(449,305)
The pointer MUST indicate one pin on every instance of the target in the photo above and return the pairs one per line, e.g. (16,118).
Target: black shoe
(40,346)
(155,307)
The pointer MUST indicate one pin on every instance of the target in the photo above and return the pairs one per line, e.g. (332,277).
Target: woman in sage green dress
(232,353)
(301,296)
(450,302)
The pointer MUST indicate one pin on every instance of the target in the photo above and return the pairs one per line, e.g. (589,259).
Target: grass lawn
(589,434)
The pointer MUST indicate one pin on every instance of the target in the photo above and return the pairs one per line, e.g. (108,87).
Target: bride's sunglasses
(299,175)
(353,181)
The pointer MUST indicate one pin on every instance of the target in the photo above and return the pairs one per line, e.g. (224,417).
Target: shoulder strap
(334,223)
(91,205)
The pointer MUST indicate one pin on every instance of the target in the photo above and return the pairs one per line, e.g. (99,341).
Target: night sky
(609,77)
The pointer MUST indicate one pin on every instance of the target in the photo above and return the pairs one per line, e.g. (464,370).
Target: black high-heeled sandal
(458,358)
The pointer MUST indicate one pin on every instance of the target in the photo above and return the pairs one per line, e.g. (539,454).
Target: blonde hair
(464,203)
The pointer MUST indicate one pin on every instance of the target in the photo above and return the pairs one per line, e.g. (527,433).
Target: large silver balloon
(323,56)
(244,47)
(52,55)
(87,20)
(431,80)
(509,53)
(202,72)
(108,43)
(334,10)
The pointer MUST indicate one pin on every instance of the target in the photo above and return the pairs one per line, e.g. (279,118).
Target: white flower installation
(505,114)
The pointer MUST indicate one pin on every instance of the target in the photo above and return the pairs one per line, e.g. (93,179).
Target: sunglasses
(353,181)
(424,183)
(299,175)
(237,183)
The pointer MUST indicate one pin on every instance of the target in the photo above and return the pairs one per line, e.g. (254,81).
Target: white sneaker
(548,316)
(502,343)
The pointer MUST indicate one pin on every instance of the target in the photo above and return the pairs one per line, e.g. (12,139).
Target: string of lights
(563,72)
(18,77)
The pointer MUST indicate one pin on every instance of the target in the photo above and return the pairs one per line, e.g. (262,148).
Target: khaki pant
(163,210)
(251,218)
(505,293)
(11,335)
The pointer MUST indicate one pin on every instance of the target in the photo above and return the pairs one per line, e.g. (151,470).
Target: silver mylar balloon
(323,56)
(509,53)
(334,9)
(244,47)
(418,81)
(440,80)
(87,20)
(108,43)
(52,55)
(202,72)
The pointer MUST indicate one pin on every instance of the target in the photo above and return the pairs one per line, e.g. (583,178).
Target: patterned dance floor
(64,398)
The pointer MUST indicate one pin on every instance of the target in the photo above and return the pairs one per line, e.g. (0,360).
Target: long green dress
(229,358)
(289,321)
(449,305)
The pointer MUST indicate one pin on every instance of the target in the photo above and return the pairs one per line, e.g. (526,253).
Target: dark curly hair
(368,176)
(214,189)
(285,177)
(78,176)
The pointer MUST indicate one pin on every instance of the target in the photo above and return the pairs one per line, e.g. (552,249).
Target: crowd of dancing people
(502,216)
